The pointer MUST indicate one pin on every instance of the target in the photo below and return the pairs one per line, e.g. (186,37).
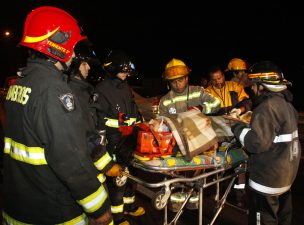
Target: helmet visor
(268,77)
(129,68)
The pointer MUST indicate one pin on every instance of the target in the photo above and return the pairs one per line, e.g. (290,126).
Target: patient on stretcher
(189,133)
(215,155)
(160,125)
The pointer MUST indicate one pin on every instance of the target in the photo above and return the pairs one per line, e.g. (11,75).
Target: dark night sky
(201,33)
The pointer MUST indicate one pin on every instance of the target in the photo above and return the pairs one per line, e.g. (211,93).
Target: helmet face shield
(119,62)
(128,68)
(274,88)
(83,51)
(269,75)
(266,77)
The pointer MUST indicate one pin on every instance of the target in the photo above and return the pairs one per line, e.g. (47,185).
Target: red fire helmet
(51,31)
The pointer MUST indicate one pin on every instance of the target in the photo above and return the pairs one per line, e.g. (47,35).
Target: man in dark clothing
(117,111)
(83,90)
(273,144)
(49,176)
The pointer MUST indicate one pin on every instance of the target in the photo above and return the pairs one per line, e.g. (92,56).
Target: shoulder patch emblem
(67,101)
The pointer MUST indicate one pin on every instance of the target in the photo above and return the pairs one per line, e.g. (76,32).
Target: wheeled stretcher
(192,178)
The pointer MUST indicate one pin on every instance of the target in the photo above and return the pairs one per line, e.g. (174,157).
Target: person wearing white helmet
(272,142)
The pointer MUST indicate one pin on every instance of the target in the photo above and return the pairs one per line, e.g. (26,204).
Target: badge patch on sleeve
(67,101)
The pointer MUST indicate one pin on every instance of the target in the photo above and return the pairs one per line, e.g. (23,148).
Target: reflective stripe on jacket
(272,139)
(232,95)
(49,175)
(173,103)
(84,91)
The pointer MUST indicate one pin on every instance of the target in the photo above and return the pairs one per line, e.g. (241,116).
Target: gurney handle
(167,183)
(160,184)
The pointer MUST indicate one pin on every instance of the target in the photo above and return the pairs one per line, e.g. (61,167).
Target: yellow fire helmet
(236,64)
(175,68)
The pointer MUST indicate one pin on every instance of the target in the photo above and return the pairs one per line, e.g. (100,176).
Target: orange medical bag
(154,144)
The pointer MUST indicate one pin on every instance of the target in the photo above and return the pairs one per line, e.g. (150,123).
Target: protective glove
(235,113)
(104,219)
(115,171)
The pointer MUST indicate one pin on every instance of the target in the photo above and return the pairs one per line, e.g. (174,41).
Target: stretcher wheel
(158,201)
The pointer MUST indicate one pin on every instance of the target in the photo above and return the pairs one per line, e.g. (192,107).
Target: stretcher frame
(218,173)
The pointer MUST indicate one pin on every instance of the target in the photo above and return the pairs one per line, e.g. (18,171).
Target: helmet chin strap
(64,66)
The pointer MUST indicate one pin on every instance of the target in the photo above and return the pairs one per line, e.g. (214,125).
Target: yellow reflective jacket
(232,95)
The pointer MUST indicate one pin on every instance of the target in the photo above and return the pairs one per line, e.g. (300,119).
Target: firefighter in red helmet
(49,175)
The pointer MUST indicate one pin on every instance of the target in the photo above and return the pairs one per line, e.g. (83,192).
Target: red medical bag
(152,144)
